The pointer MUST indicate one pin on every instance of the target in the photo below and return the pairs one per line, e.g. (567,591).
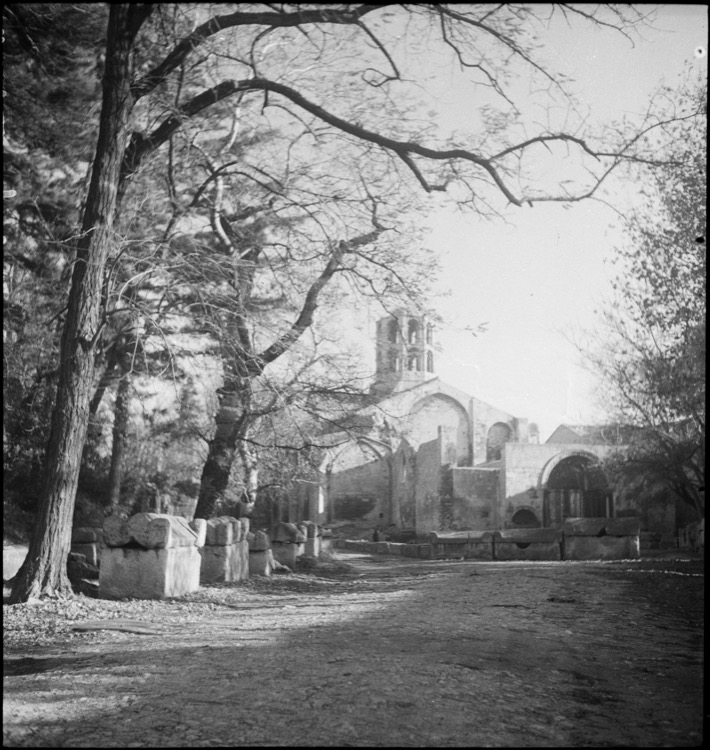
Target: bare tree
(335,76)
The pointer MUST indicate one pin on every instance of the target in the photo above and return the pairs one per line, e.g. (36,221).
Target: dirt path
(404,653)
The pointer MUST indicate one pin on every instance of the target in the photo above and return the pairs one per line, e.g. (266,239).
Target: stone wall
(475,495)
(483,417)
(427,486)
(360,492)
(525,471)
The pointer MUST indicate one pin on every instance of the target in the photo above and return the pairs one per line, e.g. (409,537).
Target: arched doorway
(498,435)
(576,488)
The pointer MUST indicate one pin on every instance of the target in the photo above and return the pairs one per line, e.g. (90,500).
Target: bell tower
(405,351)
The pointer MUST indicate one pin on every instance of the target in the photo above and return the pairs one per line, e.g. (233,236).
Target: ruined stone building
(430,457)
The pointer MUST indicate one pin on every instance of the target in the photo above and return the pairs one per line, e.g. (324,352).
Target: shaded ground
(395,652)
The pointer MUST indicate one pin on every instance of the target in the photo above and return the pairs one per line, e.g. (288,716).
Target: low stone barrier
(158,557)
(287,543)
(527,544)
(260,554)
(225,554)
(469,545)
(601,538)
(87,541)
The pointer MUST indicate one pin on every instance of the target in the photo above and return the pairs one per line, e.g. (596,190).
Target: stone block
(479,550)
(86,535)
(410,550)
(246,526)
(287,532)
(394,548)
(199,526)
(259,562)
(129,572)
(504,550)
(91,552)
(286,553)
(221,531)
(622,526)
(583,526)
(425,551)
(528,536)
(472,545)
(224,563)
(258,541)
(380,548)
(159,530)
(601,548)
(116,533)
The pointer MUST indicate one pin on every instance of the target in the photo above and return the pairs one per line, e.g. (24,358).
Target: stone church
(425,456)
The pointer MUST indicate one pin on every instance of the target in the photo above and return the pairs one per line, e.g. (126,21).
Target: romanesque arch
(498,435)
(574,486)
(438,410)
(525,517)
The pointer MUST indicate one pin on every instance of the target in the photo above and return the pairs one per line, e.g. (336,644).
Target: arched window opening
(393,329)
(429,333)
(412,362)
(430,362)
(498,435)
(413,332)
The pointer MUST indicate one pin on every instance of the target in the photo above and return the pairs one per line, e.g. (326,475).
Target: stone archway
(436,411)
(575,486)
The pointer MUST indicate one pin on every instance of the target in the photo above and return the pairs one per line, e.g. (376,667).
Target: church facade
(430,457)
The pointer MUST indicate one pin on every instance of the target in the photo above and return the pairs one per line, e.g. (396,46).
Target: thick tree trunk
(44,570)
(222,451)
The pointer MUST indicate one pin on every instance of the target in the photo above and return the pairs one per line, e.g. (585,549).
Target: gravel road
(389,652)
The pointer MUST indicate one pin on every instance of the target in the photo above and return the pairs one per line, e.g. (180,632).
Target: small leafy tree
(653,357)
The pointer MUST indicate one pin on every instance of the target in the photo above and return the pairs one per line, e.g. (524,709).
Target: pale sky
(543,273)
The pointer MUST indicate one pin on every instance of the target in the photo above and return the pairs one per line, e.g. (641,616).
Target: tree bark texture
(120,426)
(44,570)
(230,419)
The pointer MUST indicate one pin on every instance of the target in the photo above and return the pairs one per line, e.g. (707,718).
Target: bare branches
(305,317)
(177,56)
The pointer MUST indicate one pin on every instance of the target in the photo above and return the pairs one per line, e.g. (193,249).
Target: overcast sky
(542,274)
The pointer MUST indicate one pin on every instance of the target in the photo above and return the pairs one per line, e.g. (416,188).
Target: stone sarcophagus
(601,539)
(527,544)
(225,553)
(467,545)
(148,556)
(288,543)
